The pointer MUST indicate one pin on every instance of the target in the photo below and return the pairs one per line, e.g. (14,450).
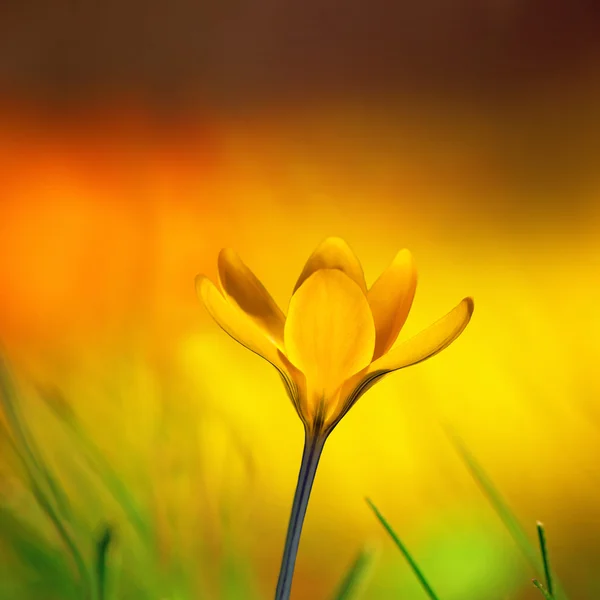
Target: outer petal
(427,343)
(236,323)
(244,289)
(334,253)
(390,298)
(422,346)
(329,332)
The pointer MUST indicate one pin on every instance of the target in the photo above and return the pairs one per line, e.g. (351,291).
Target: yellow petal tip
(470,304)
(226,254)
(405,256)
(333,253)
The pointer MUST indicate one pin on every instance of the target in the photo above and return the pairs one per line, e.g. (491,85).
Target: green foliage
(49,550)
(354,582)
(33,567)
(44,486)
(511,522)
(411,561)
(52,552)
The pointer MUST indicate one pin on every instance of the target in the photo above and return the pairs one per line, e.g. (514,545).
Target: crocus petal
(427,343)
(333,253)
(237,324)
(242,287)
(329,332)
(390,298)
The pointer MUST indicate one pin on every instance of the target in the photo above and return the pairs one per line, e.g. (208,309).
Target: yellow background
(107,216)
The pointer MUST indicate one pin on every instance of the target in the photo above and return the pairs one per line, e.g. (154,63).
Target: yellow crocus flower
(338,337)
(337,340)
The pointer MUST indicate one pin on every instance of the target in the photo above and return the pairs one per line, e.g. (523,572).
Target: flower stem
(313,447)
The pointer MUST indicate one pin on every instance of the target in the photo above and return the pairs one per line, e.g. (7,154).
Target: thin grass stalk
(543,590)
(544,550)
(356,577)
(404,550)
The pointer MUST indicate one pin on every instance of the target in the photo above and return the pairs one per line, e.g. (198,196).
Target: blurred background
(139,138)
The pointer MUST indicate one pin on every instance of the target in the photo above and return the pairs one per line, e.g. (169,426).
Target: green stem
(313,447)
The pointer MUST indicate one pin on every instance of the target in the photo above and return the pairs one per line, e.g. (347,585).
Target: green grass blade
(67,538)
(502,509)
(543,591)
(355,579)
(499,504)
(544,549)
(413,565)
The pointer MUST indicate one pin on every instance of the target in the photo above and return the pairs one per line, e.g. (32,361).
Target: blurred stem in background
(355,580)
(313,448)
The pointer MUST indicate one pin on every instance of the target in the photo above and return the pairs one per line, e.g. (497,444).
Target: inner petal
(428,342)
(333,253)
(329,332)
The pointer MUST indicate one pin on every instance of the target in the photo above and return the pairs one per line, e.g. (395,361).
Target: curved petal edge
(241,287)
(333,253)
(236,323)
(429,342)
